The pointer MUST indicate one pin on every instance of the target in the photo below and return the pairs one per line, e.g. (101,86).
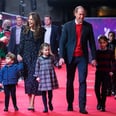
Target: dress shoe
(102,109)
(83,111)
(98,107)
(45,110)
(6,109)
(16,108)
(31,109)
(50,106)
(70,108)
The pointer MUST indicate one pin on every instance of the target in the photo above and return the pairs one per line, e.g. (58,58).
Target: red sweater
(78,49)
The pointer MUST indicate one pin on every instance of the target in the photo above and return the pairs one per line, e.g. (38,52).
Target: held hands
(61,61)
(94,63)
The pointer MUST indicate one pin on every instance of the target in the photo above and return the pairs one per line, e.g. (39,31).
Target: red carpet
(59,100)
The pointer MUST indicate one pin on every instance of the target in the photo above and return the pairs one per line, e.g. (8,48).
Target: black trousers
(101,85)
(10,90)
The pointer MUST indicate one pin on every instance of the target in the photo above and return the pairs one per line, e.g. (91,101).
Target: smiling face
(79,14)
(31,22)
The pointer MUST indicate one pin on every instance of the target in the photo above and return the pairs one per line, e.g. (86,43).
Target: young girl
(46,76)
(104,58)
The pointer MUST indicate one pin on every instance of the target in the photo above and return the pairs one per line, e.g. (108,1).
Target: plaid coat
(45,71)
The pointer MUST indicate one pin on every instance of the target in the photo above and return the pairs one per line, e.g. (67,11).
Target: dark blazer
(12,43)
(54,38)
(68,40)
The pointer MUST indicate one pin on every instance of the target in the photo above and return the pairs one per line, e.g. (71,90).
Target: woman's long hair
(38,28)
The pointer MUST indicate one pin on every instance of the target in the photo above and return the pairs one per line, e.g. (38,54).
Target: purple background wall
(102,26)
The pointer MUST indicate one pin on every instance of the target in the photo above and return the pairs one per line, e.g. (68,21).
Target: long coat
(28,49)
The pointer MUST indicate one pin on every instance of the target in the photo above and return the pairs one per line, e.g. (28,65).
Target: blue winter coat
(8,74)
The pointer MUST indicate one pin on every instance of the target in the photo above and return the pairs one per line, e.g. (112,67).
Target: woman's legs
(31,101)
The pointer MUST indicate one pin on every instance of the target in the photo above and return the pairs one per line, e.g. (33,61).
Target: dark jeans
(10,90)
(101,85)
(81,64)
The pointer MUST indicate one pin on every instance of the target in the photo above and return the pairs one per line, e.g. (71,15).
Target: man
(74,51)
(52,37)
(15,39)
(15,35)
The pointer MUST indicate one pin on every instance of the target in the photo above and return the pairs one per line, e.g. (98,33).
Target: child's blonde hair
(42,47)
(11,56)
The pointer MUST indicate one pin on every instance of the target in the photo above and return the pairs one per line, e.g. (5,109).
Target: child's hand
(61,61)
(111,74)
(38,79)
(0,85)
(94,63)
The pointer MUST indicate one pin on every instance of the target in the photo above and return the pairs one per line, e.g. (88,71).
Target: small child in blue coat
(9,79)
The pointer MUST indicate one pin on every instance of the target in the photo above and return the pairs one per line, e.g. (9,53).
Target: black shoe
(83,111)
(108,93)
(50,106)
(102,109)
(45,110)
(70,108)
(16,108)
(6,109)
(31,109)
(98,107)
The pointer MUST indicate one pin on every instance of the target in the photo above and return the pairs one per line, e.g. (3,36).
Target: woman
(30,42)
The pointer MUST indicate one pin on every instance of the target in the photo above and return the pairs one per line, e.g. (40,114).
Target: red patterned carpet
(59,100)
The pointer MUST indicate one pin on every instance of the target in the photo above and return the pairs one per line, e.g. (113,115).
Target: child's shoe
(102,109)
(16,108)
(98,107)
(50,106)
(5,109)
(114,96)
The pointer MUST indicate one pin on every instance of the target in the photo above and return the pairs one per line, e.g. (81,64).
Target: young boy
(104,58)
(8,76)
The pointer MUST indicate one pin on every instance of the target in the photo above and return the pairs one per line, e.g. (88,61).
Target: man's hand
(61,61)
(93,62)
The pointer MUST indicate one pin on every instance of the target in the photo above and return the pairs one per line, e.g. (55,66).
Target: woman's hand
(19,58)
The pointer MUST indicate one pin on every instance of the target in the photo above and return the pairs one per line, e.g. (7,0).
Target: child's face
(9,61)
(103,44)
(110,36)
(46,51)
